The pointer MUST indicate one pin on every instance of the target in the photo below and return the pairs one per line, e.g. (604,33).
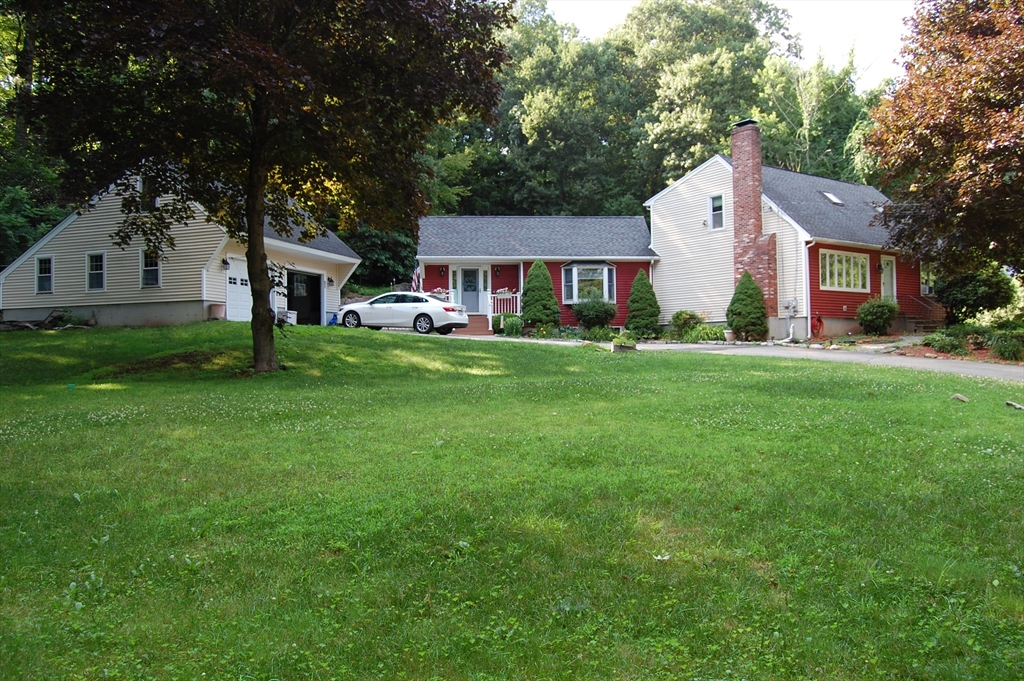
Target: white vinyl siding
(791,263)
(696,267)
(181,278)
(842,271)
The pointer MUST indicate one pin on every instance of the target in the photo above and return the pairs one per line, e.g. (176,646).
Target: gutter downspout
(807,283)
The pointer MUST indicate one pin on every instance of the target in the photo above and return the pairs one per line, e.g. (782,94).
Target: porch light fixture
(441,270)
(497,271)
(330,281)
(878,267)
(226,263)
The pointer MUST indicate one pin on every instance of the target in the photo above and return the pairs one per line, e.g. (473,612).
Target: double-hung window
(150,270)
(44,274)
(716,212)
(841,271)
(587,280)
(95,272)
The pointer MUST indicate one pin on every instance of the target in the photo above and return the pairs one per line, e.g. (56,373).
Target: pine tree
(643,306)
(747,315)
(539,303)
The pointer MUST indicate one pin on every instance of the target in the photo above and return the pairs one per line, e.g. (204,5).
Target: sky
(873,28)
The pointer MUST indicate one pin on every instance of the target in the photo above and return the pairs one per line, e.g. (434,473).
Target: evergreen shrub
(747,315)
(539,303)
(643,307)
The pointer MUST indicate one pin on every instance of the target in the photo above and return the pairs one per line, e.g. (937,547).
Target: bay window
(587,280)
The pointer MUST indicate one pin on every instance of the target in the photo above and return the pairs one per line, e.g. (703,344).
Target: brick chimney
(753,251)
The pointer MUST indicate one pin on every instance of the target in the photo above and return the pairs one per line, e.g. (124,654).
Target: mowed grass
(395,506)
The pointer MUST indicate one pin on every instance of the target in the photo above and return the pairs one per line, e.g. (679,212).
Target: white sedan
(420,311)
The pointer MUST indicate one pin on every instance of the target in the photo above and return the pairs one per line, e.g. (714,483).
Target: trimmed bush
(539,303)
(747,315)
(498,327)
(513,326)
(683,321)
(877,314)
(643,307)
(594,312)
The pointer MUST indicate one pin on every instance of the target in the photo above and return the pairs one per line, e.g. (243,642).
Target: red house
(810,243)
(481,261)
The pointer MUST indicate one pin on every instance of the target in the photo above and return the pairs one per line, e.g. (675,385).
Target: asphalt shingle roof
(328,243)
(803,198)
(535,237)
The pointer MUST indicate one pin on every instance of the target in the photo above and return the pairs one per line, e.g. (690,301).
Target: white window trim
(35,275)
(574,280)
(852,254)
(142,268)
(711,213)
(88,272)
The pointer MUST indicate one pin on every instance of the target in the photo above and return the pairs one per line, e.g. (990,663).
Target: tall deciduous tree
(948,137)
(261,111)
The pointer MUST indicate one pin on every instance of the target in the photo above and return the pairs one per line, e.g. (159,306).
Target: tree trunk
(263,351)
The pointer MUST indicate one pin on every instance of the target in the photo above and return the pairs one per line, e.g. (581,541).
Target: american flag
(416,279)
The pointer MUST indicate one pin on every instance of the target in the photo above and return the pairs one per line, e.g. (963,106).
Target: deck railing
(912,306)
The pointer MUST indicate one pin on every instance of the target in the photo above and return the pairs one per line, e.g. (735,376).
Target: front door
(471,290)
(304,297)
(888,277)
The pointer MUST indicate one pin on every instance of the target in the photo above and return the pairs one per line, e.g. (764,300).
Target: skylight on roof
(833,198)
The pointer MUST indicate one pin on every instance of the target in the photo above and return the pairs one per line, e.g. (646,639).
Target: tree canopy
(269,110)
(949,137)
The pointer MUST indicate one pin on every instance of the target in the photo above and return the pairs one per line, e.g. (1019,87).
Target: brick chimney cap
(745,122)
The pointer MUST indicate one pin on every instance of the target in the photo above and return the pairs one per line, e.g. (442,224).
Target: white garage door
(239,307)
(239,293)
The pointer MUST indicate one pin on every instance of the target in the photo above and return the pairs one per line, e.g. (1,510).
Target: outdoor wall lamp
(442,270)
(497,271)
(878,267)
(330,281)
(226,263)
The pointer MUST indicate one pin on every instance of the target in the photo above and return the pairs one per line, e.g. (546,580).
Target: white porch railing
(503,303)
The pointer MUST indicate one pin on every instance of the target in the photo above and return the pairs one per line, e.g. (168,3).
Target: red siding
(625,272)
(509,277)
(830,303)
(432,277)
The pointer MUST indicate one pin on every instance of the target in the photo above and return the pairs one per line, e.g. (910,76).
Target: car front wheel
(350,320)
(423,324)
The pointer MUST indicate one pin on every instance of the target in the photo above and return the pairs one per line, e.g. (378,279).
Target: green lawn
(395,506)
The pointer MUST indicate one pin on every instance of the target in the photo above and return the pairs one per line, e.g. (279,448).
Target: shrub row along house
(809,242)
(75,267)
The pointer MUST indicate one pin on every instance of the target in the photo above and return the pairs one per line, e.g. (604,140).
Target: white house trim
(717,158)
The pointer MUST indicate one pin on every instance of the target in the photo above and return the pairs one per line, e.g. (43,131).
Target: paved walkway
(871,354)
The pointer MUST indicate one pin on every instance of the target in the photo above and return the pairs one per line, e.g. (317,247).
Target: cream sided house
(76,267)
(808,241)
